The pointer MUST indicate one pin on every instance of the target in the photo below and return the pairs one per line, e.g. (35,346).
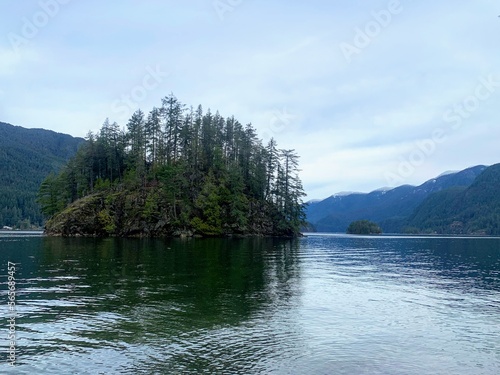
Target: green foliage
(102,185)
(106,221)
(185,171)
(363,227)
(209,222)
(151,211)
(49,196)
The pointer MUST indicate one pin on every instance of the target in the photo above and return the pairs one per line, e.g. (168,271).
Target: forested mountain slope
(471,210)
(388,208)
(27,156)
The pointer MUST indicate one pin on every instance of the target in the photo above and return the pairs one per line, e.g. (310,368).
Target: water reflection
(320,304)
(467,263)
(217,279)
(178,297)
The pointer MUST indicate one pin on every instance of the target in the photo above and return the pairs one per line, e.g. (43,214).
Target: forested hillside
(471,210)
(175,170)
(27,156)
(388,208)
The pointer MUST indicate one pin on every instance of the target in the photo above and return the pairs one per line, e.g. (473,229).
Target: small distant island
(175,172)
(363,227)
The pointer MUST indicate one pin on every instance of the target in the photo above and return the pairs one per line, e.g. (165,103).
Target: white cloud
(350,122)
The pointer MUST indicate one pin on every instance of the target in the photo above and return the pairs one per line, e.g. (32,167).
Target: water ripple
(320,305)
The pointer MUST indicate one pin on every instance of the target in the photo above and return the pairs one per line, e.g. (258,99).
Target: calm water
(317,305)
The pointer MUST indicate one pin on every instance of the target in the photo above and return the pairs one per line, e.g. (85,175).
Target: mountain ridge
(462,210)
(389,208)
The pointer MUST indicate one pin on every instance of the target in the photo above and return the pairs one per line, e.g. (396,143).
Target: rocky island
(175,172)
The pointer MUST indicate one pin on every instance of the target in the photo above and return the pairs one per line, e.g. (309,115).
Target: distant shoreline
(389,235)
(14,232)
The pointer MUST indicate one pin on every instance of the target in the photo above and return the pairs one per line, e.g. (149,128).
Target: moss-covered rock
(144,214)
(79,219)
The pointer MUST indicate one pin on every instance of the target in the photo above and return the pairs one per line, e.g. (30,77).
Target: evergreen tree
(153,136)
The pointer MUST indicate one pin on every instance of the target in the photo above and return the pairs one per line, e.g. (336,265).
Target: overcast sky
(369,93)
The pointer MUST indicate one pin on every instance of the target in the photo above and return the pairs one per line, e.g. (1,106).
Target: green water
(316,305)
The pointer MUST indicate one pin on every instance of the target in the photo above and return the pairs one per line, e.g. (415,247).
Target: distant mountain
(388,208)
(463,210)
(27,156)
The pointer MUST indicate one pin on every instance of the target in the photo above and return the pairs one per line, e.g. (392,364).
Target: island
(363,227)
(175,172)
